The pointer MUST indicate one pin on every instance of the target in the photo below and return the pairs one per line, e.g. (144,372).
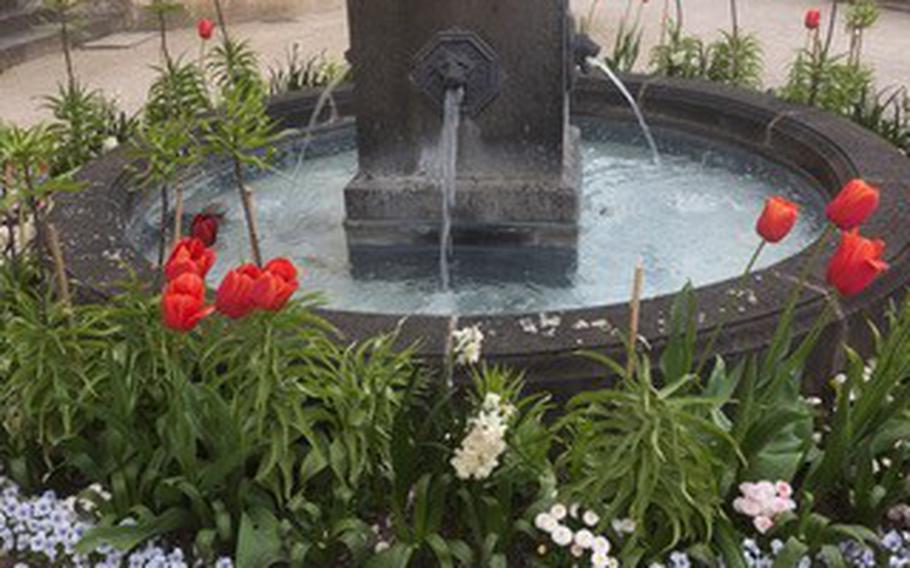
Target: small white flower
(576,551)
(380,546)
(591,518)
(545,522)
(601,545)
(584,538)
(480,450)
(110,143)
(562,535)
(468,345)
(558,511)
(599,560)
(623,526)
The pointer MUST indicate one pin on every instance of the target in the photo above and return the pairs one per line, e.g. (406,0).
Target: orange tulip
(853,205)
(233,297)
(205,28)
(813,19)
(183,302)
(856,263)
(189,255)
(205,228)
(777,219)
(275,285)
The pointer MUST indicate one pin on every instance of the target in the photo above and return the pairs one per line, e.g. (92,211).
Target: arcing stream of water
(446,164)
(605,69)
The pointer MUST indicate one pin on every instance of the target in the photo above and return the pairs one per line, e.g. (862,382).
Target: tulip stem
(246,198)
(728,307)
(178,213)
(802,278)
(807,269)
(734,47)
(162,242)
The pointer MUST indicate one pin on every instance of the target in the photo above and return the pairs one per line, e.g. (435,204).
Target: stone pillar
(518,167)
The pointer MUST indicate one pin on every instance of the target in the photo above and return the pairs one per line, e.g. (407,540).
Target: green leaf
(398,556)
(259,540)
(440,549)
(128,537)
(790,555)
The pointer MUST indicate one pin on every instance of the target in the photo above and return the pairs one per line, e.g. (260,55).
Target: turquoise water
(690,218)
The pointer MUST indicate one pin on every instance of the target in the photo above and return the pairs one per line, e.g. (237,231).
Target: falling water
(605,69)
(325,97)
(447,157)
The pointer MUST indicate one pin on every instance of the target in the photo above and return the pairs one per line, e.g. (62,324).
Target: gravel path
(126,73)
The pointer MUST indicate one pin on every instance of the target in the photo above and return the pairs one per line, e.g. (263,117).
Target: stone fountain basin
(824,147)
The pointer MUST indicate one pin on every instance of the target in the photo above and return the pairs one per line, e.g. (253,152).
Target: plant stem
(734,47)
(162,31)
(219,15)
(634,318)
(9,220)
(65,41)
(162,225)
(832,23)
(246,198)
(807,268)
(679,15)
(740,283)
(823,55)
(178,212)
(793,298)
(36,213)
(53,244)
(39,233)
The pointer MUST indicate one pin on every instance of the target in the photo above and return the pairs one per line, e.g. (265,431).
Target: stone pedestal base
(537,211)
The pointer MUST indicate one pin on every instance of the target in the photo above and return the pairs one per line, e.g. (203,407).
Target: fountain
(524,207)
(519,162)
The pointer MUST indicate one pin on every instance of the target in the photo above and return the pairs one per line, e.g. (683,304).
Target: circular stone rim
(828,149)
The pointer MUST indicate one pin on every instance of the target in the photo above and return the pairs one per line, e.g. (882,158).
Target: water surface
(690,218)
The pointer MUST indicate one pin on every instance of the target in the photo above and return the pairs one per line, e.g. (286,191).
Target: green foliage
(437,518)
(298,74)
(240,128)
(736,60)
(829,83)
(861,14)
(863,458)
(234,434)
(26,152)
(234,65)
(887,113)
(626,48)
(682,56)
(655,455)
(84,119)
(808,533)
(163,8)
(178,91)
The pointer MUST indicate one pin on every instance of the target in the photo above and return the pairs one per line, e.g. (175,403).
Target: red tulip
(813,19)
(234,298)
(853,205)
(205,228)
(205,27)
(189,255)
(183,302)
(777,219)
(275,285)
(856,263)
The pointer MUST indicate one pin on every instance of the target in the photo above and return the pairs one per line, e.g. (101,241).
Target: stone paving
(126,73)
